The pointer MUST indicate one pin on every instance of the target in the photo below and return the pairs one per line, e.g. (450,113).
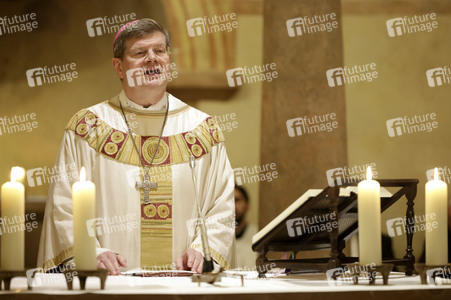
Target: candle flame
(17,173)
(369,174)
(82,174)
(436,174)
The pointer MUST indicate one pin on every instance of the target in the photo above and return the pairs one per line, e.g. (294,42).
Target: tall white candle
(83,198)
(437,215)
(369,215)
(12,223)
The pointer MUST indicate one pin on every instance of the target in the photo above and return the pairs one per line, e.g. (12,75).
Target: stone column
(300,90)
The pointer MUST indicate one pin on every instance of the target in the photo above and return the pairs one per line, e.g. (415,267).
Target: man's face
(241,205)
(145,62)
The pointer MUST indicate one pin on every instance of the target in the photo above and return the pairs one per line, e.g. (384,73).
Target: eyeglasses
(161,52)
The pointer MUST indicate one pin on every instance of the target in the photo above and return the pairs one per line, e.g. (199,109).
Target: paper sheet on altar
(157,273)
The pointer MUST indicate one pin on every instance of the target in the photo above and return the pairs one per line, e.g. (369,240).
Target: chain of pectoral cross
(146,185)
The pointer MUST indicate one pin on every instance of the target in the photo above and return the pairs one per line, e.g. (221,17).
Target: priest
(136,148)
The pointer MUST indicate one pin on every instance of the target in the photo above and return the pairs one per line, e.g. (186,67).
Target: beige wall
(243,143)
(401,90)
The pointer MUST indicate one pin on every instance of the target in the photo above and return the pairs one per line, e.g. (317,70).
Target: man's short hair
(136,30)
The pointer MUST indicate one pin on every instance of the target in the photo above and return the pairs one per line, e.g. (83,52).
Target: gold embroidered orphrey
(146,185)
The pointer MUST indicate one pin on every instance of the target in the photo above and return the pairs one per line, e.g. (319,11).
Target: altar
(265,135)
(306,286)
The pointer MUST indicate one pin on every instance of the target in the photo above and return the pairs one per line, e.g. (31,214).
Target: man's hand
(111,261)
(191,260)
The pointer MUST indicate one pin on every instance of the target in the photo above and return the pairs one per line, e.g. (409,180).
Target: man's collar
(159,106)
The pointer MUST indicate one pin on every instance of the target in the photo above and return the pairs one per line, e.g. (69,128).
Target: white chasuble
(154,234)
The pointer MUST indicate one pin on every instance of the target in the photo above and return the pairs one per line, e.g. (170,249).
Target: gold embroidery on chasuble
(156,217)
(156,221)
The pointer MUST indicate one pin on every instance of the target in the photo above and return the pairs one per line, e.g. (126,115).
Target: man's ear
(117,65)
(247,207)
(169,53)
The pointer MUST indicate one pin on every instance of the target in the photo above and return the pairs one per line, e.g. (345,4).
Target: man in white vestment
(144,131)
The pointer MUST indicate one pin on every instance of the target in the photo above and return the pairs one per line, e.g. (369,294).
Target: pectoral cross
(146,185)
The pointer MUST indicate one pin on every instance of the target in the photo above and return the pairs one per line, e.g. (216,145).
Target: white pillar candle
(12,223)
(369,215)
(437,220)
(83,198)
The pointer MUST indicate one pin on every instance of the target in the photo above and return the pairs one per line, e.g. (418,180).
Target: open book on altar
(287,214)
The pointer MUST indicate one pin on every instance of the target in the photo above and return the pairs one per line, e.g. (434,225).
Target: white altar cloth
(309,283)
